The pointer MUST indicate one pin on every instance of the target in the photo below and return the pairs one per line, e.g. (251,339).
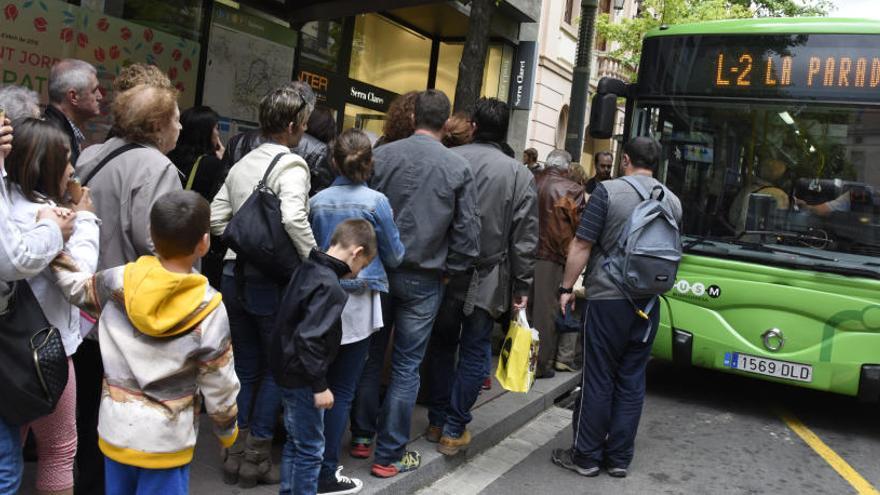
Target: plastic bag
(519,356)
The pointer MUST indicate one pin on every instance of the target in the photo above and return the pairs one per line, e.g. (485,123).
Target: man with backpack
(633,224)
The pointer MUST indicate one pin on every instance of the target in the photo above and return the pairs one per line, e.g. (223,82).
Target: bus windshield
(789,177)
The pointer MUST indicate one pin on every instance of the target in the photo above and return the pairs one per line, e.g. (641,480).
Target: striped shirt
(593,217)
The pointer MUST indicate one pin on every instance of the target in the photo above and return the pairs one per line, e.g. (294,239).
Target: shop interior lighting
(786,117)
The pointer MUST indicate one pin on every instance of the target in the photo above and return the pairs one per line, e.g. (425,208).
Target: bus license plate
(769,367)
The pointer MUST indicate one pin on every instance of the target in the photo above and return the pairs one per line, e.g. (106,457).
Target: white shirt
(82,247)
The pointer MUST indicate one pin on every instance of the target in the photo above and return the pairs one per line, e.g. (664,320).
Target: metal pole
(580,86)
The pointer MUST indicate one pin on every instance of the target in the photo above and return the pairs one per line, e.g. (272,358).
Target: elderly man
(560,203)
(604,162)
(74,98)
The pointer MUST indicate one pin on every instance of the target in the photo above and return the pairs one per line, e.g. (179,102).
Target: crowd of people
(411,247)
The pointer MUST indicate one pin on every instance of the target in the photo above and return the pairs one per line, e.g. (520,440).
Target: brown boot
(257,466)
(233,457)
(451,446)
(433,433)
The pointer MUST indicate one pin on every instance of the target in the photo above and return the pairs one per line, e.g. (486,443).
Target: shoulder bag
(257,235)
(34,371)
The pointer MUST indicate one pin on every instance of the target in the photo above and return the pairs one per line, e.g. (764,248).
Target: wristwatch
(562,290)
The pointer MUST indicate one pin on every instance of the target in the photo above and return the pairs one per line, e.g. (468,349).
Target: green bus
(770,130)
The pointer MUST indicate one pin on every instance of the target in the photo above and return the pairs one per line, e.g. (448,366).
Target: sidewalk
(496,415)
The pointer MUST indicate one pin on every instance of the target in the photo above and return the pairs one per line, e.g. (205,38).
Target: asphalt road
(701,432)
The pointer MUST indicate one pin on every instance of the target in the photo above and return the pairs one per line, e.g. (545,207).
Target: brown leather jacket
(560,204)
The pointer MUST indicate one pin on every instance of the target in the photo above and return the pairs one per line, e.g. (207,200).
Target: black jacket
(55,116)
(309,326)
(314,152)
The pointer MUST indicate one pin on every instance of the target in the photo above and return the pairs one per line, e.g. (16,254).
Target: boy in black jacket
(305,342)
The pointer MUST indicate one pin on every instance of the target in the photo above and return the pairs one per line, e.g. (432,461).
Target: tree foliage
(625,37)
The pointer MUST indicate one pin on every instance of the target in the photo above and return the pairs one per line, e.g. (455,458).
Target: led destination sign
(816,67)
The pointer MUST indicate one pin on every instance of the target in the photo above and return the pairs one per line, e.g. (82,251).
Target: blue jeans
(251,321)
(343,377)
(454,390)
(616,353)
(304,448)
(11,462)
(122,479)
(414,300)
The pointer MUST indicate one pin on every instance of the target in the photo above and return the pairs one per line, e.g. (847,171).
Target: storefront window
(388,55)
(496,72)
(321,43)
(369,121)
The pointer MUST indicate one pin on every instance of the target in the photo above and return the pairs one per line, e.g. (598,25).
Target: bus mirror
(602,113)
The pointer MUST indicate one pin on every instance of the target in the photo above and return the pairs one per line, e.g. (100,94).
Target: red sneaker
(361,447)
(409,462)
(487,383)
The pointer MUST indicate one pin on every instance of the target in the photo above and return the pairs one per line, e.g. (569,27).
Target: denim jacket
(345,199)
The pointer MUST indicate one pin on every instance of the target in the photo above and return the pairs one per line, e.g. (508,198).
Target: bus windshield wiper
(773,248)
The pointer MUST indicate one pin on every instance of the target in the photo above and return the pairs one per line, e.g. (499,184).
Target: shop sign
(318,81)
(369,96)
(36,34)
(522,82)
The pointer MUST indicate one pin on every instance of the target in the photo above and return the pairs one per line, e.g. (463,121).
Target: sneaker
(433,433)
(409,462)
(450,446)
(339,485)
(616,472)
(563,459)
(361,447)
(487,383)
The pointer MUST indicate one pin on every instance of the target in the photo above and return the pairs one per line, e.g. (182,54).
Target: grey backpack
(644,260)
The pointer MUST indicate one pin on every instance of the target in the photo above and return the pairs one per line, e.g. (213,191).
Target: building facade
(357,55)
(557,39)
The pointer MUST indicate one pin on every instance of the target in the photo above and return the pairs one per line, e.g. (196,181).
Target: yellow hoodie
(165,344)
(160,303)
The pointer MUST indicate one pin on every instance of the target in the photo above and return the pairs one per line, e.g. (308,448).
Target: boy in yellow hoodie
(165,343)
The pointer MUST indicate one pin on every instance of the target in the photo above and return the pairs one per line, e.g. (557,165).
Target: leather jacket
(315,153)
(560,204)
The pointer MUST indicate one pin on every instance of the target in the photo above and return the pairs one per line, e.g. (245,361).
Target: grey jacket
(123,193)
(508,228)
(431,190)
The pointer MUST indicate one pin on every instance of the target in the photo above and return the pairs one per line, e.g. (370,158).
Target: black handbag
(34,370)
(257,235)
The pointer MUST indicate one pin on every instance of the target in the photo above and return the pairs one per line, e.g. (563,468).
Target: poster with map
(247,57)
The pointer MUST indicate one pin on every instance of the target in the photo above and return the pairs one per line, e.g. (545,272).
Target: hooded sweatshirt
(165,343)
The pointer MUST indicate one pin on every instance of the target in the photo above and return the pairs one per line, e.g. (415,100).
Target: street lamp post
(580,86)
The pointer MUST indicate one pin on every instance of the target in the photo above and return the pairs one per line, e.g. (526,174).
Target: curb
(493,422)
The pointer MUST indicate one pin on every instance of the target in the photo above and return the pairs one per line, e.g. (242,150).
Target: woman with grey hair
(19,102)
(251,296)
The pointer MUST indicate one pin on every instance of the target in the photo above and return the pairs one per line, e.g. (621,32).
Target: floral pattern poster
(34,34)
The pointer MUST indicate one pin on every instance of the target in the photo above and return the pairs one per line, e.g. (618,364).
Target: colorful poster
(34,34)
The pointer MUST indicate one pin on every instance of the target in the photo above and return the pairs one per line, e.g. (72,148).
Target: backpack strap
(192,173)
(113,154)
(642,192)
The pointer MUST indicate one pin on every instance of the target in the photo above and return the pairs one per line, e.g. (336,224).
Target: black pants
(89,459)
(617,344)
